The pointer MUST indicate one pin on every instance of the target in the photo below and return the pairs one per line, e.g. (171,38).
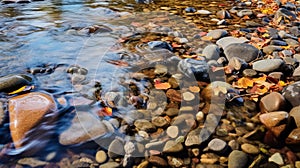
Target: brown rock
(174,95)
(294,137)
(272,119)
(295,112)
(272,102)
(250,149)
(158,161)
(26,111)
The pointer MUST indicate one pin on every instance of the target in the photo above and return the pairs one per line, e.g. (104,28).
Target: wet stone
(244,51)
(237,159)
(225,41)
(267,65)
(157,161)
(276,75)
(144,125)
(292,42)
(172,112)
(276,158)
(26,111)
(249,73)
(295,112)
(159,45)
(193,68)
(217,34)
(203,12)
(110,165)
(272,102)
(294,137)
(250,149)
(13,82)
(278,43)
(101,156)
(245,12)
(172,131)
(32,162)
(211,52)
(160,122)
(237,63)
(172,147)
(272,119)
(271,48)
(116,148)
(217,145)
(291,93)
(80,123)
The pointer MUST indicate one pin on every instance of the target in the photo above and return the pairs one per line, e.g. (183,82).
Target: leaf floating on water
(165,85)
(22,89)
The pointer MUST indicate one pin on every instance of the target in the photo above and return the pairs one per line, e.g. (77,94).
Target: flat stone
(250,149)
(154,45)
(172,112)
(291,93)
(32,162)
(203,12)
(13,82)
(211,52)
(272,119)
(116,148)
(237,159)
(267,65)
(278,43)
(272,102)
(269,49)
(172,147)
(172,131)
(196,137)
(292,42)
(144,125)
(244,51)
(160,121)
(217,33)
(225,41)
(295,112)
(245,12)
(249,72)
(26,111)
(276,158)
(276,75)
(294,137)
(110,165)
(217,145)
(157,161)
(84,127)
(194,68)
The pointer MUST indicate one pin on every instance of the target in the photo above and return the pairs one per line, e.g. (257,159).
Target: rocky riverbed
(184,85)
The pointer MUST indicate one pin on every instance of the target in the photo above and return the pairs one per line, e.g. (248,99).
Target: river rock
(172,112)
(291,93)
(2,113)
(244,51)
(272,102)
(211,52)
(172,147)
(276,158)
(272,119)
(194,68)
(32,162)
(84,127)
(26,111)
(217,145)
(217,34)
(295,112)
(116,148)
(296,72)
(267,65)
(101,156)
(223,14)
(160,121)
(245,12)
(157,161)
(283,13)
(294,137)
(237,63)
(110,165)
(225,41)
(13,82)
(210,91)
(250,149)
(249,73)
(237,159)
(160,45)
(144,125)
(271,48)
(172,131)
(196,137)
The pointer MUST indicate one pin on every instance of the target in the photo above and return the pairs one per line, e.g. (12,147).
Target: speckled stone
(244,51)
(291,93)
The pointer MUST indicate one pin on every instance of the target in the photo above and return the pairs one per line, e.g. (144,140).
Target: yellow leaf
(18,91)
(281,83)
(244,83)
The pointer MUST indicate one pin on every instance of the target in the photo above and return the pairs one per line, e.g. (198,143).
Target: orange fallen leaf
(244,83)
(165,85)
(106,111)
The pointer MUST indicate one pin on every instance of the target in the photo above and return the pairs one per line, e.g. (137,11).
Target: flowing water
(57,34)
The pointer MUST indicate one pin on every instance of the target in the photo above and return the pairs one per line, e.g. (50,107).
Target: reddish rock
(272,119)
(26,111)
(272,102)
(294,137)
